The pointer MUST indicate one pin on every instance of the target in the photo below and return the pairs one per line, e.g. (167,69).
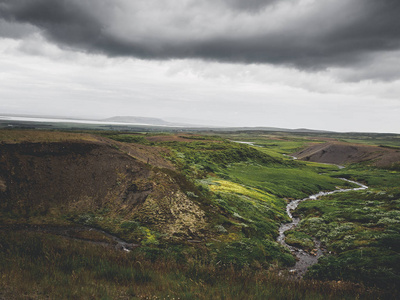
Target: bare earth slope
(84,175)
(345,153)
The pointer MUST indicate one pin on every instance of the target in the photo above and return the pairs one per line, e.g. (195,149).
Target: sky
(317,64)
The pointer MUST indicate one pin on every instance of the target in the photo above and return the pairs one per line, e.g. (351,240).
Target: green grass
(257,214)
(282,146)
(373,177)
(129,138)
(299,239)
(37,266)
(284,181)
(256,194)
(362,230)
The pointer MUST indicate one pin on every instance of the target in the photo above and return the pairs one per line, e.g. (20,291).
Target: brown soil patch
(41,175)
(345,153)
(153,155)
(80,177)
(39,136)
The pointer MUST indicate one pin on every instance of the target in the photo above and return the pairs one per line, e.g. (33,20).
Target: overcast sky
(319,64)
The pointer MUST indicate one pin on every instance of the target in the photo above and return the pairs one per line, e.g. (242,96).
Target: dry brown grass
(39,266)
(38,136)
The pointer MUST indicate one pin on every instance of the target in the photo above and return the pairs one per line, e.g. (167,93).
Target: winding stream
(305,259)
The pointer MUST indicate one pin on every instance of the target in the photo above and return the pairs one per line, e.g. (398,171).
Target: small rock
(194,241)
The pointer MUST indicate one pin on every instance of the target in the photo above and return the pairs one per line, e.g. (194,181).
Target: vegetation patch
(299,239)
(38,266)
(361,230)
(284,181)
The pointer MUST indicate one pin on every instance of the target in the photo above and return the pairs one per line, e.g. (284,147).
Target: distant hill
(138,120)
(117,121)
(129,122)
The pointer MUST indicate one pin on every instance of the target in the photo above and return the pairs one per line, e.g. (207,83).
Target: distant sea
(49,120)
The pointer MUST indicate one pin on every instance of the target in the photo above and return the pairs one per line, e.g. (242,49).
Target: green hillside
(199,213)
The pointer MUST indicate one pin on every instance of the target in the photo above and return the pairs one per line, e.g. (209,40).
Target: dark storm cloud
(249,5)
(312,35)
(62,21)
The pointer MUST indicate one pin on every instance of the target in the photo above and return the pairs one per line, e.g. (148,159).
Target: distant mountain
(135,121)
(148,121)
(138,120)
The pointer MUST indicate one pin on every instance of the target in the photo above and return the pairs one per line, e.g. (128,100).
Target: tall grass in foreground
(38,266)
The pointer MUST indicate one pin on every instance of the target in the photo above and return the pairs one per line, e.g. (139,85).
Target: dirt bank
(78,177)
(345,153)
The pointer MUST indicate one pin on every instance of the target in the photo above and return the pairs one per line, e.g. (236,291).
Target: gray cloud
(64,22)
(303,34)
(249,5)
(15,30)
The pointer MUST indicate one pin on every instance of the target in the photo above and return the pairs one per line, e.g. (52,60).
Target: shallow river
(304,259)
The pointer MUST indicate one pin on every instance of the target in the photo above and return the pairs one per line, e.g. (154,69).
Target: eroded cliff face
(77,177)
(171,210)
